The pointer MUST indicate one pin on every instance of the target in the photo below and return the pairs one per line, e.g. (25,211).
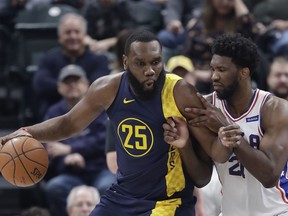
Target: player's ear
(245,73)
(124,57)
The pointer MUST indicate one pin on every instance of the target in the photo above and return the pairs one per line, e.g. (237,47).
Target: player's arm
(267,159)
(186,96)
(199,164)
(98,98)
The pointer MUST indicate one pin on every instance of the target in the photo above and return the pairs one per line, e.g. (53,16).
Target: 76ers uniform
(243,194)
(151,180)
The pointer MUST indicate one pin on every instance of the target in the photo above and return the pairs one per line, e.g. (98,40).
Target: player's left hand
(210,117)
(176,132)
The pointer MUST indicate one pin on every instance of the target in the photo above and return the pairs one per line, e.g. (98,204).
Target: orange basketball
(23,161)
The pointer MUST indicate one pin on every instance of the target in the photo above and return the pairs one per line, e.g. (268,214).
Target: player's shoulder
(275,102)
(104,89)
(182,86)
(185,95)
(275,105)
(107,81)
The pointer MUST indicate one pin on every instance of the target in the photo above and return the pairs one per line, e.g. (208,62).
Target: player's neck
(240,102)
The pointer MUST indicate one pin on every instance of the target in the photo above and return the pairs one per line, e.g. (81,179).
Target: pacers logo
(136,137)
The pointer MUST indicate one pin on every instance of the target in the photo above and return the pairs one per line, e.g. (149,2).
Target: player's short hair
(140,36)
(242,51)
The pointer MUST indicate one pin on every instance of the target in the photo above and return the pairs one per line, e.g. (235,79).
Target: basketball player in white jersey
(251,123)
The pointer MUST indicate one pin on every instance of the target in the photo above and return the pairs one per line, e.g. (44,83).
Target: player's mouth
(217,86)
(149,83)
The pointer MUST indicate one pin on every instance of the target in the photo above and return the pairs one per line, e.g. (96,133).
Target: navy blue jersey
(151,176)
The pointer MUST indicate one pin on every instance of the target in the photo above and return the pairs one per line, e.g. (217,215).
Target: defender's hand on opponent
(210,117)
(176,132)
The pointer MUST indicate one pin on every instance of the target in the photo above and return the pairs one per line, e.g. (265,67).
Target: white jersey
(243,194)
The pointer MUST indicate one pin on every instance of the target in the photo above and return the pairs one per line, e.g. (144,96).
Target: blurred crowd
(87,42)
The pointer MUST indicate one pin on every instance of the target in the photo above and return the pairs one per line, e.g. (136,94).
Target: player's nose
(149,71)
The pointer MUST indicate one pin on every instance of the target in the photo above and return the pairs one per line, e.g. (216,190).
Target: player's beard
(138,88)
(228,91)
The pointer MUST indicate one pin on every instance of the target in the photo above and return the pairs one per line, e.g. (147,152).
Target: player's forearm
(52,130)
(199,171)
(258,164)
(220,153)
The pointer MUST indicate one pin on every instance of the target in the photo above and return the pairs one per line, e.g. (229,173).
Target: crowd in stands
(90,45)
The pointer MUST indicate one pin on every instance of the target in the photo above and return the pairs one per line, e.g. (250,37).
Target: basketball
(23,161)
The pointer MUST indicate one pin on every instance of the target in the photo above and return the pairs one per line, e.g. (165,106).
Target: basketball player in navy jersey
(252,124)
(152,179)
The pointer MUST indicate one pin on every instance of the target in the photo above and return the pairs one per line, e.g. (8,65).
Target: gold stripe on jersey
(166,207)
(175,180)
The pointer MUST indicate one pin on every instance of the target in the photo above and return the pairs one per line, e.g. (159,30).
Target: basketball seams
(34,149)
(30,161)
(22,148)
(8,160)
(18,155)
(24,153)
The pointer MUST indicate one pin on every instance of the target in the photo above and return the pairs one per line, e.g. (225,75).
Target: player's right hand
(210,117)
(17,133)
(176,132)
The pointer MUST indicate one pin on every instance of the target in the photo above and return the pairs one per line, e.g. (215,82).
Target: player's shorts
(115,204)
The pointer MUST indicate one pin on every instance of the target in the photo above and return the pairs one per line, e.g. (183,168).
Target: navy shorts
(115,204)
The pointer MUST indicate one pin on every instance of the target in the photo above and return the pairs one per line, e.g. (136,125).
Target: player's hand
(230,136)
(12,135)
(74,159)
(211,116)
(176,132)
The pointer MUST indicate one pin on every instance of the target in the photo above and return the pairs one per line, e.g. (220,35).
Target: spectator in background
(177,15)
(72,50)
(278,77)
(8,12)
(81,159)
(272,14)
(180,65)
(183,67)
(105,19)
(35,211)
(217,17)
(82,200)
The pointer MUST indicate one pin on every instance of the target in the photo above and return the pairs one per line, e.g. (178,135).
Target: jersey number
(136,132)
(237,169)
